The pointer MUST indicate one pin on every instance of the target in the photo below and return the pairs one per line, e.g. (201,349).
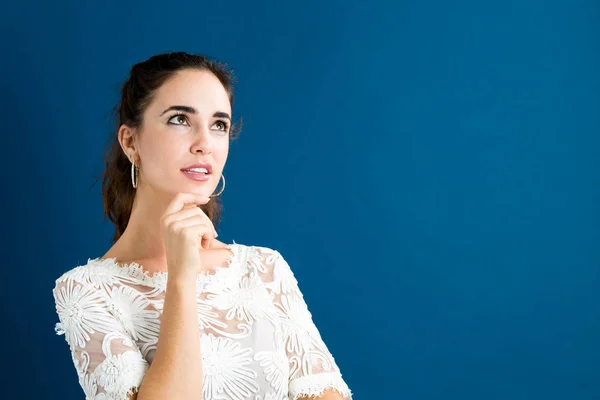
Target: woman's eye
(178,117)
(221,125)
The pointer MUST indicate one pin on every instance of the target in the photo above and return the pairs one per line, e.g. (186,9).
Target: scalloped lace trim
(315,385)
(136,272)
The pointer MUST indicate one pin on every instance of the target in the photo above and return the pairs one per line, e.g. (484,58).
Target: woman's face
(172,139)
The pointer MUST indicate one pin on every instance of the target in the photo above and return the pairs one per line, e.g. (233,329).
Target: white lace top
(257,337)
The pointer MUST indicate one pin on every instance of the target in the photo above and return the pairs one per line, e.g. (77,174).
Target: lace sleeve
(312,367)
(109,365)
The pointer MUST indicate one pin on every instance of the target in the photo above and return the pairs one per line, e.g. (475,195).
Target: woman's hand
(186,230)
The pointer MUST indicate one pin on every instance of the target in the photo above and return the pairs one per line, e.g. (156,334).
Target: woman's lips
(196,176)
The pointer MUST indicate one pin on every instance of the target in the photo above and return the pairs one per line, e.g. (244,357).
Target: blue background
(429,169)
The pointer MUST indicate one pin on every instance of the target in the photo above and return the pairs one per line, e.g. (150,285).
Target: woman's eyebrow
(192,110)
(221,114)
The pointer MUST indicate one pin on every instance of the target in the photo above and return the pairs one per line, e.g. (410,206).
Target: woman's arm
(314,373)
(328,395)
(176,370)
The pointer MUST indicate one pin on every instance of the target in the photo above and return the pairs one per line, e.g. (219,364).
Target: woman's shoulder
(254,251)
(270,263)
(75,272)
(100,271)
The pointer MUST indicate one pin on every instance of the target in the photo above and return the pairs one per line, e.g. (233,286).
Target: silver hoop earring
(223,188)
(134,178)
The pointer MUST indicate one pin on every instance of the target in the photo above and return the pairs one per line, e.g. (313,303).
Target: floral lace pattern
(257,337)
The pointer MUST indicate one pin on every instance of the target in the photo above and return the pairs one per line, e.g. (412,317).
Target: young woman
(170,312)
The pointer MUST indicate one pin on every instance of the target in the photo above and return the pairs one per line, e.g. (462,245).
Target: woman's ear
(126,137)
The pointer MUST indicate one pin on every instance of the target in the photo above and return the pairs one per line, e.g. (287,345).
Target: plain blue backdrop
(429,169)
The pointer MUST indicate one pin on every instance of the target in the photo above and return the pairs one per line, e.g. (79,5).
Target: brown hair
(137,92)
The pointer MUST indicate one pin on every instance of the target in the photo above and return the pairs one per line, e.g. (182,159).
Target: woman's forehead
(198,89)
